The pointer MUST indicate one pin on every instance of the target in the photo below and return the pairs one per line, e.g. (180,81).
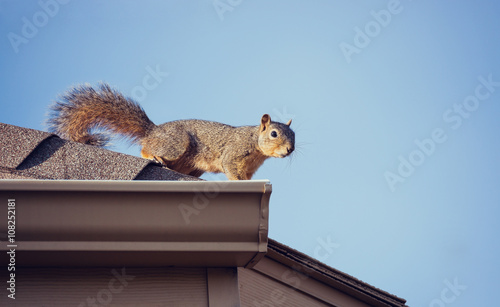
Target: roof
(34,154)
(339,280)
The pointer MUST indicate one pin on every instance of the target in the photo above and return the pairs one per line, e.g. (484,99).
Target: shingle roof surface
(33,154)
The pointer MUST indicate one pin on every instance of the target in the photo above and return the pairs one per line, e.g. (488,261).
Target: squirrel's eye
(274,134)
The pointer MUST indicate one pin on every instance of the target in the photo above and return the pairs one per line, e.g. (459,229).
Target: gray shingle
(17,143)
(28,153)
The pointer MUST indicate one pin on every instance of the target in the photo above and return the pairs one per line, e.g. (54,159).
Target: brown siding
(258,290)
(159,287)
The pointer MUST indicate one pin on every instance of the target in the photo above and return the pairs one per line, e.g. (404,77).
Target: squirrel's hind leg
(169,142)
(146,155)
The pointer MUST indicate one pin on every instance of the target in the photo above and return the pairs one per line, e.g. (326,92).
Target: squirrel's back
(82,109)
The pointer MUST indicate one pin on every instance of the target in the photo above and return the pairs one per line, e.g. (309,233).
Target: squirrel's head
(276,139)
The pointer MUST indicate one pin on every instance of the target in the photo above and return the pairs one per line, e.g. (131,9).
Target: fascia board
(301,263)
(240,186)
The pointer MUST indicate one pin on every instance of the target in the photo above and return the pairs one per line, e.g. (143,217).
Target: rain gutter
(136,223)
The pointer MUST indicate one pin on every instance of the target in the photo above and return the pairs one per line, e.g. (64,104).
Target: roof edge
(235,186)
(328,275)
(161,223)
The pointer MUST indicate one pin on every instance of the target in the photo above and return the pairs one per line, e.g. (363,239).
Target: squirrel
(191,146)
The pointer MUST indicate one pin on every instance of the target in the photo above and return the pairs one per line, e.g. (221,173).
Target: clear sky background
(395,105)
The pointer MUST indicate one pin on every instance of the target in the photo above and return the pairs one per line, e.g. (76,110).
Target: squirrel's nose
(289,150)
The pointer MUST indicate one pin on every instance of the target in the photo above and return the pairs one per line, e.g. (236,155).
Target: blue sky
(395,105)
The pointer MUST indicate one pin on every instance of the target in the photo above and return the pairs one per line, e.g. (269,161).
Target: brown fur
(187,146)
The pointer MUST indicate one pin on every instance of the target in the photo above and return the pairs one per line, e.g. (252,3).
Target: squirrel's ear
(289,123)
(264,122)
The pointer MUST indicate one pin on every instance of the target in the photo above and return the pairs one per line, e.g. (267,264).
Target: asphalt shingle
(33,154)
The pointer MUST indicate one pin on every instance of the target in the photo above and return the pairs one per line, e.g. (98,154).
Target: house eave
(138,223)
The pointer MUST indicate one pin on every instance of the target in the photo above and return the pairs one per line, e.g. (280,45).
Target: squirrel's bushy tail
(84,108)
